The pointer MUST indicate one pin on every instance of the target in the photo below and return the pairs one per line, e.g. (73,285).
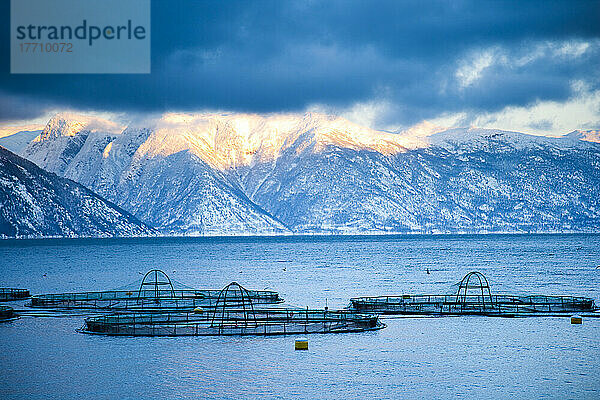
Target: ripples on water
(416,357)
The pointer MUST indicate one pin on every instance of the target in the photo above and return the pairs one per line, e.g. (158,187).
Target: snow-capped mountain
(162,173)
(240,173)
(17,138)
(37,203)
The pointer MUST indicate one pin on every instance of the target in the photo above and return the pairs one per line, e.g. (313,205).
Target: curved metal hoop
(156,284)
(483,286)
(223,302)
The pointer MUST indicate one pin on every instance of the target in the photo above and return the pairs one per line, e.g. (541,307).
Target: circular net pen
(156,291)
(473,297)
(12,294)
(233,315)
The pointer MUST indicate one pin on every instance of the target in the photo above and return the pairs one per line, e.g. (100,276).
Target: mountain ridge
(37,203)
(239,173)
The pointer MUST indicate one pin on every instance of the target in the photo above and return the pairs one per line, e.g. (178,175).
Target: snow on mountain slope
(228,141)
(181,194)
(495,139)
(240,173)
(18,141)
(436,190)
(459,180)
(36,203)
(588,136)
(153,172)
(63,138)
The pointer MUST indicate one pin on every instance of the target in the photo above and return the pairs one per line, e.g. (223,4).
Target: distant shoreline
(303,235)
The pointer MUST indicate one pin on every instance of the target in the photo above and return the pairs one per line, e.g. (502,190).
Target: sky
(531,66)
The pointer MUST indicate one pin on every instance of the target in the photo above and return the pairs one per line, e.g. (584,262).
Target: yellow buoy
(576,320)
(198,310)
(301,344)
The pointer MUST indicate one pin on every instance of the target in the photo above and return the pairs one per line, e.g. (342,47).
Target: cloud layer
(400,61)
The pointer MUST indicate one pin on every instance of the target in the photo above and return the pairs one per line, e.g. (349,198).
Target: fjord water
(470,357)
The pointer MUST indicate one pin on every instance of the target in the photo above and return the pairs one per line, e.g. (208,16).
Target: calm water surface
(467,357)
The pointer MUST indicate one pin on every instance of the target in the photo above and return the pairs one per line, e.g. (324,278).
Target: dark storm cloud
(20,107)
(276,56)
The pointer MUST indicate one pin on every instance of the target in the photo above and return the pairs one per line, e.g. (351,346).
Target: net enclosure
(232,316)
(11,294)
(156,291)
(474,297)
(235,322)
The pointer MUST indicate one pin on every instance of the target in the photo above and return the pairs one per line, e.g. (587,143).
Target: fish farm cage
(232,315)
(474,297)
(7,313)
(12,294)
(156,291)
